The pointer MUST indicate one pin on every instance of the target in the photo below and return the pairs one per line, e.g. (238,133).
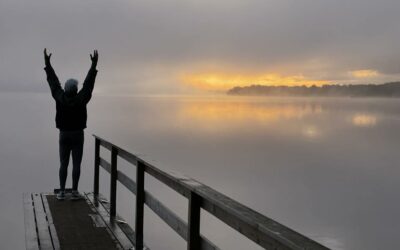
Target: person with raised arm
(71,117)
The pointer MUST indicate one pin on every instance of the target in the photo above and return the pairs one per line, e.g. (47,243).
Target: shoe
(75,195)
(60,195)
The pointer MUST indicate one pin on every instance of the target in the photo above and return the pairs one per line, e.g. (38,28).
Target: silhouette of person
(71,116)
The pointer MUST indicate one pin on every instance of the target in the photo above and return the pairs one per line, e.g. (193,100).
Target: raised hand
(47,57)
(94,57)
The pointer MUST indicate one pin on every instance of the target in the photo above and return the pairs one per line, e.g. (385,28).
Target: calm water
(325,167)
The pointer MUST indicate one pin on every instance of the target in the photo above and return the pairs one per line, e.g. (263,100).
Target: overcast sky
(147,46)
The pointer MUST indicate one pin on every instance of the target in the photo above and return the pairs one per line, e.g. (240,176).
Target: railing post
(139,205)
(193,237)
(113,182)
(96,167)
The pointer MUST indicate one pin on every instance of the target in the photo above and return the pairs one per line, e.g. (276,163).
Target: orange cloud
(225,81)
(364,73)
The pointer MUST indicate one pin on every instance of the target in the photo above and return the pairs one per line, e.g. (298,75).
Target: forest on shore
(391,89)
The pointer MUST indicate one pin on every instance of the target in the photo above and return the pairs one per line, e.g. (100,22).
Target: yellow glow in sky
(365,73)
(225,81)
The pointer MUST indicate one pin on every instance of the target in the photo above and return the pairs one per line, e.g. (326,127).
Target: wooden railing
(264,231)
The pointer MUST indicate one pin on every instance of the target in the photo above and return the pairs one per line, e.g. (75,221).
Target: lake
(326,167)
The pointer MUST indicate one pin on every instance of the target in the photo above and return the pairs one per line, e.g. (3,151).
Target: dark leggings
(70,141)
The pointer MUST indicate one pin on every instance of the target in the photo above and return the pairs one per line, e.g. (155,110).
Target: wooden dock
(92,223)
(73,225)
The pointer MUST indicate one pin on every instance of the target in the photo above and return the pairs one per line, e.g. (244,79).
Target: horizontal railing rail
(264,231)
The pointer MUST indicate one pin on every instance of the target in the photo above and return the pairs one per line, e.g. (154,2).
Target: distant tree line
(391,89)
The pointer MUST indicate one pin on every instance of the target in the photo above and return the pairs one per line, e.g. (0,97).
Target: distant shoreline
(391,89)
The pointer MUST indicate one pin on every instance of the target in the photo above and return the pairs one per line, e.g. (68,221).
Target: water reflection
(227,112)
(320,166)
(311,131)
(306,162)
(364,120)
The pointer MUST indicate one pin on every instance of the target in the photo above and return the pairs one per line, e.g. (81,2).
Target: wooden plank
(96,166)
(174,222)
(111,223)
(52,228)
(98,220)
(129,232)
(113,182)
(139,211)
(76,228)
(127,156)
(105,144)
(193,234)
(257,227)
(167,178)
(127,182)
(31,237)
(131,158)
(42,224)
(169,217)
(104,164)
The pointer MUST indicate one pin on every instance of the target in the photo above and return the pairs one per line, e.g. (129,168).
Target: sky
(199,46)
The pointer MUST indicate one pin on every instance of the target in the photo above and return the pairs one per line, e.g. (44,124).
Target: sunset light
(287,111)
(225,81)
(364,120)
(365,73)
(236,112)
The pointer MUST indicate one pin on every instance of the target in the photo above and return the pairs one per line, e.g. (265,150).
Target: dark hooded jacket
(71,111)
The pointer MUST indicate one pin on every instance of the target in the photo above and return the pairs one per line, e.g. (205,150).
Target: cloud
(364,73)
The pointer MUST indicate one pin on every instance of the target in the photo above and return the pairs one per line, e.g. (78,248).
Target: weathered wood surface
(83,224)
(139,211)
(39,228)
(193,238)
(167,215)
(41,223)
(113,223)
(96,167)
(31,237)
(264,231)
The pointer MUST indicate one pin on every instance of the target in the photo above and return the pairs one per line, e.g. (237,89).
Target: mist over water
(327,168)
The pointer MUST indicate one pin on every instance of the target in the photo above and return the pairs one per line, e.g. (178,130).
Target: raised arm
(52,79)
(86,92)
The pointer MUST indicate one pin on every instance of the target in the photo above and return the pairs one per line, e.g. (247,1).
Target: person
(71,116)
